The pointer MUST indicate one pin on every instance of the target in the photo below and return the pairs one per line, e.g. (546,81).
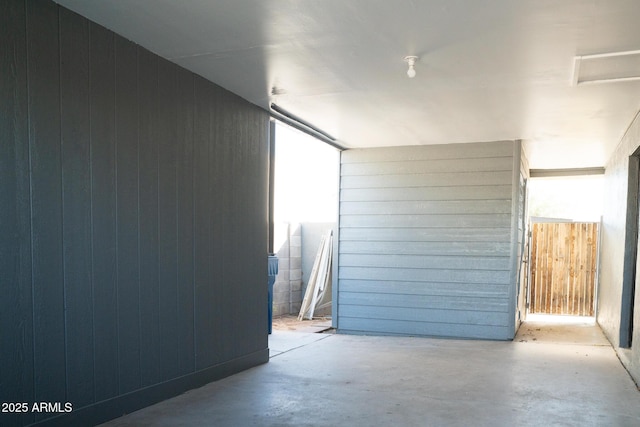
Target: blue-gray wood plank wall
(133,222)
(425,240)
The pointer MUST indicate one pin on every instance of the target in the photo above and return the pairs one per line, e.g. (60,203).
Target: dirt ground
(291,323)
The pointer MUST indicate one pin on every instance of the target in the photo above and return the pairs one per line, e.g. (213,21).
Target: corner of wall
(516,216)
(614,235)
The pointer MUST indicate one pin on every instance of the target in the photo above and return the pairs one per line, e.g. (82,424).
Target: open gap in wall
(577,199)
(565,214)
(629,276)
(305,211)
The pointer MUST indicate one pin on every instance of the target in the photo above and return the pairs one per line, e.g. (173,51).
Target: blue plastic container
(272,273)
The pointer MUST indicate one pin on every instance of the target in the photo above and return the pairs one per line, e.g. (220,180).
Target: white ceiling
(488,69)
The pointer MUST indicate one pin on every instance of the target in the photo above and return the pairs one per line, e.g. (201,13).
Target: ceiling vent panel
(611,67)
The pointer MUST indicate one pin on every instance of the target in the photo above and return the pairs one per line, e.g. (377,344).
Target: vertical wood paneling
(16,311)
(222,227)
(46,201)
(204,303)
(545,256)
(257,231)
(104,209)
(126,95)
(253,123)
(167,219)
(76,204)
(132,208)
(591,258)
(185,214)
(563,268)
(148,217)
(238,151)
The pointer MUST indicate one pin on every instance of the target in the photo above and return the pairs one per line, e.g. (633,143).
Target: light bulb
(411,62)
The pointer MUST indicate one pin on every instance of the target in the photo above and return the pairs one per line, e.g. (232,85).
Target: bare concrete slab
(290,333)
(343,380)
(283,341)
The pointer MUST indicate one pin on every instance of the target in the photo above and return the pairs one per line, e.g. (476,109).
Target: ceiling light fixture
(411,61)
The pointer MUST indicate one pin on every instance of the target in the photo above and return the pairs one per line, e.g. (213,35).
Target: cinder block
(295,241)
(281,293)
(283,263)
(284,251)
(281,298)
(295,308)
(283,276)
(295,274)
(281,286)
(296,251)
(280,309)
(295,229)
(295,263)
(295,285)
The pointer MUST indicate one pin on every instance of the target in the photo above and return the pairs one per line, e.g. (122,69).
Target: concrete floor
(550,375)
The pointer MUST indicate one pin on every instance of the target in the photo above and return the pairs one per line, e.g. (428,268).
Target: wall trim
(551,173)
(515,265)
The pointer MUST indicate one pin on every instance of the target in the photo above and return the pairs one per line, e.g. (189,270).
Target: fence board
(563,268)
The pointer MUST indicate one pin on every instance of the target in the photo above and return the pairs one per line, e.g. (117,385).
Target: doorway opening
(565,215)
(629,275)
(305,210)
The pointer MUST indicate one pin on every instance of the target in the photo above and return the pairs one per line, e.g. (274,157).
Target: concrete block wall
(287,290)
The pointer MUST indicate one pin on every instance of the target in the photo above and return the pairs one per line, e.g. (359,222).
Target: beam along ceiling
(487,69)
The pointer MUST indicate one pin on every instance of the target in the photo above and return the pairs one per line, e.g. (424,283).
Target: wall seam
(62,213)
(137,48)
(91,244)
(117,223)
(30,149)
(193,224)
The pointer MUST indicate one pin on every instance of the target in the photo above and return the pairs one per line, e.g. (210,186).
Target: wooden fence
(563,268)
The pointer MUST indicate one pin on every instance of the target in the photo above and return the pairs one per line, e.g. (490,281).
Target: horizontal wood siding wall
(425,240)
(133,221)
